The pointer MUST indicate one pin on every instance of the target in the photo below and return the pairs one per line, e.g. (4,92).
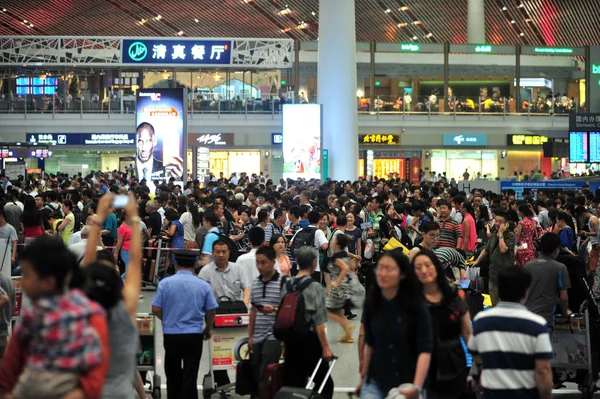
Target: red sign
(232,320)
(18,300)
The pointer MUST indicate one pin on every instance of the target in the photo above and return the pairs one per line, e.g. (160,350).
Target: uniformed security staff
(182,303)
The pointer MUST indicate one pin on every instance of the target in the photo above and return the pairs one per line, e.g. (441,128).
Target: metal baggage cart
(227,346)
(146,324)
(576,354)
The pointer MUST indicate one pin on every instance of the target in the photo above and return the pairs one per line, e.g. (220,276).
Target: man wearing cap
(183,302)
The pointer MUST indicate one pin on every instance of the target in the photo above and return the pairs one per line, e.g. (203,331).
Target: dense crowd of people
(83,245)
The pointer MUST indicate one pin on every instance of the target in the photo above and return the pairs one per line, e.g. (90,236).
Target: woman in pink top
(278,243)
(123,244)
(468,229)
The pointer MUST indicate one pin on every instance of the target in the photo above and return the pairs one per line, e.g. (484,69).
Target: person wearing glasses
(430,232)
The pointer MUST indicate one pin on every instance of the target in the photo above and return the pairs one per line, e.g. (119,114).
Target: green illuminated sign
(283,82)
(410,47)
(137,51)
(483,49)
(377,83)
(596,69)
(553,50)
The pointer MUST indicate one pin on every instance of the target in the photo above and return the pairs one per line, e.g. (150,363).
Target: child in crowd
(60,343)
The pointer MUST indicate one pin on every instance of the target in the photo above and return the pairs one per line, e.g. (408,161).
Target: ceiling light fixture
(417,22)
(313,14)
(302,25)
(429,35)
(196,20)
(180,33)
(388,11)
(414,38)
(4,10)
(402,24)
(284,11)
(521,34)
(403,8)
(286,30)
(504,8)
(521,5)
(512,21)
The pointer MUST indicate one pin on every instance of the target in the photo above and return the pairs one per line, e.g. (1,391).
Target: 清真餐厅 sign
(176,51)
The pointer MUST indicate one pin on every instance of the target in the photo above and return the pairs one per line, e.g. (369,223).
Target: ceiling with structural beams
(527,22)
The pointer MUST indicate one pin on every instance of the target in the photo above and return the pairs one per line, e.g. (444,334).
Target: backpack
(304,237)
(77,215)
(291,323)
(233,249)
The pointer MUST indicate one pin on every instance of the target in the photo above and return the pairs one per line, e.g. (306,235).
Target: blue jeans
(370,390)
(125,256)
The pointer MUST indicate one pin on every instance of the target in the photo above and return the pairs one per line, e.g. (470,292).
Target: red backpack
(291,322)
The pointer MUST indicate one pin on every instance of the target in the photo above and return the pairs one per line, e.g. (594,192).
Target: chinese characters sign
(379,138)
(179,52)
(526,139)
(465,140)
(81,138)
(584,122)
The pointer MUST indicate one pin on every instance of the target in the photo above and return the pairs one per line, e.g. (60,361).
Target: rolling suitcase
(308,392)
(275,377)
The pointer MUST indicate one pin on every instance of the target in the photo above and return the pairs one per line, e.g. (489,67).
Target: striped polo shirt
(509,339)
(450,231)
(265,294)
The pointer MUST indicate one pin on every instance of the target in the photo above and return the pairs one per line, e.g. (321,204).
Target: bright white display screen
(302,128)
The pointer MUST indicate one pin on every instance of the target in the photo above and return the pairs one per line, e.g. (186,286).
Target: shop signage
(483,49)
(211,139)
(177,52)
(553,50)
(81,138)
(584,122)
(276,138)
(379,138)
(596,69)
(410,47)
(465,140)
(393,154)
(525,139)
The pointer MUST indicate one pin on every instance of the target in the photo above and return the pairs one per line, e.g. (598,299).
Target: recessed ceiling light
(414,38)
(504,8)
(180,33)
(403,8)
(388,11)
(313,13)
(521,5)
(429,35)
(512,21)
(522,34)
(24,21)
(196,20)
(402,25)
(4,10)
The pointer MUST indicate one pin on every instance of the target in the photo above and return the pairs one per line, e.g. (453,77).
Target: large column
(476,22)
(337,86)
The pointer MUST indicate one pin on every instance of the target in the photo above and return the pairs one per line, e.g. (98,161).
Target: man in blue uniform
(182,303)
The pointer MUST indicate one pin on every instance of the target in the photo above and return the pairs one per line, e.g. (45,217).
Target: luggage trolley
(576,350)
(146,324)
(227,346)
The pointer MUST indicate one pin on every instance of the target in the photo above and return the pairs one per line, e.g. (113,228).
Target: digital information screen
(578,147)
(594,147)
(302,131)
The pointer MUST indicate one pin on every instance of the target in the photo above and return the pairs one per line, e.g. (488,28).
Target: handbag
(227,306)
(245,381)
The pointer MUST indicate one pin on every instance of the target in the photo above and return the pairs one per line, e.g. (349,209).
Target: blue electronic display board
(176,52)
(81,138)
(594,147)
(579,147)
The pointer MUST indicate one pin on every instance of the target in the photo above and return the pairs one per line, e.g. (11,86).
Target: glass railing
(272,105)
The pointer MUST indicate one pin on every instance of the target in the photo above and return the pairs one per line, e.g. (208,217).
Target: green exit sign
(413,48)
(596,69)
(483,49)
(283,82)
(553,50)
(377,83)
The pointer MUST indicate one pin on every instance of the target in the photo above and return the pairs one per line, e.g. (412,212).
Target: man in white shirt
(247,262)
(320,241)
(78,249)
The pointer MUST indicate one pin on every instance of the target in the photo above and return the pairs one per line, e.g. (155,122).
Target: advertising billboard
(161,122)
(302,137)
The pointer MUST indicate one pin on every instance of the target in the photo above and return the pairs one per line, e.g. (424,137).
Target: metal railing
(272,105)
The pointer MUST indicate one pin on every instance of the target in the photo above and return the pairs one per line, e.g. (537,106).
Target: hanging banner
(161,121)
(302,136)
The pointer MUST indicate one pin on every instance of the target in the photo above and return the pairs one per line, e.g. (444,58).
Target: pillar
(337,86)
(476,22)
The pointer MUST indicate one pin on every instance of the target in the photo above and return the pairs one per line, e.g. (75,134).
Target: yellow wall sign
(379,138)
(524,139)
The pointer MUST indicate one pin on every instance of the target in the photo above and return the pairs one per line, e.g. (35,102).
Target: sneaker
(351,316)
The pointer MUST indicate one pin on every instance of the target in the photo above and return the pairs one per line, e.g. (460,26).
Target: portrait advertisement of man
(159,135)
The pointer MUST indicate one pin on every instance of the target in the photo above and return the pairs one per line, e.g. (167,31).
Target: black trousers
(108,241)
(301,358)
(182,361)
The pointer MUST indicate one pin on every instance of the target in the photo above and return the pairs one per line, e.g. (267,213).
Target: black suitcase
(307,393)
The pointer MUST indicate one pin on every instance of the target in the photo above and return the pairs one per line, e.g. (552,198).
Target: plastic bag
(369,249)
(472,273)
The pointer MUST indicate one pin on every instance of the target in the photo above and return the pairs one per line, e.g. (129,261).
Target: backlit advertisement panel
(302,130)
(161,122)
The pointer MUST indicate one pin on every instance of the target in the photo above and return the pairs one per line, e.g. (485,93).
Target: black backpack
(291,323)
(233,249)
(77,214)
(304,237)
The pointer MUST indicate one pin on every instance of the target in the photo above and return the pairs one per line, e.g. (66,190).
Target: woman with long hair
(281,259)
(340,289)
(67,226)
(174,230)
(451,321)
(123,244)
(468,229)
(398,335)
(354,235)
(525,234)
(31,221)
(120,299)
(482,222)
(191,222)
